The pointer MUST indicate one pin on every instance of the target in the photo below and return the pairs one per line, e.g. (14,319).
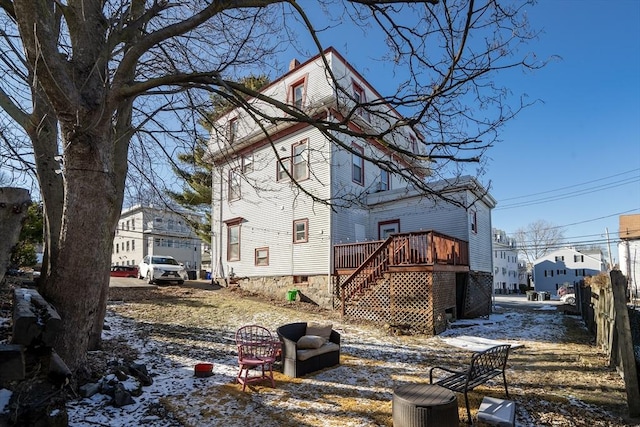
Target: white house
(271,235)
(147,230)
(505,263)
(564,266)
(629,252)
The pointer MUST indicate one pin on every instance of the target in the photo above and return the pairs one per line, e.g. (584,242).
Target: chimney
(293,64)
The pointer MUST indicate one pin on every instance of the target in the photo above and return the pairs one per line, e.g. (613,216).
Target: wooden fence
(602,303)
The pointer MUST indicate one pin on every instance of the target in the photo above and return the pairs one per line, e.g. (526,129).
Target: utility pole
(606,229)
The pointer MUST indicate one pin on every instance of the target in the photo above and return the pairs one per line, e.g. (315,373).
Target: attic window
(297,92)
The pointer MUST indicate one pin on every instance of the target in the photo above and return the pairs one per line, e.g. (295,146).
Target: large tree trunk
(78,285)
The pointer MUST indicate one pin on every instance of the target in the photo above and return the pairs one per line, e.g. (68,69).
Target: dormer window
(361,98)
(297,92)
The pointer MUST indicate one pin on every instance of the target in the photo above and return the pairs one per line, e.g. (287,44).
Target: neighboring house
(505,263)
(146,230)
(271,237)
(564,266)
(629,252)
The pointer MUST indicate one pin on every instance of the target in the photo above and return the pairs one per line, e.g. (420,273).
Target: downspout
(220,267)
(330,284)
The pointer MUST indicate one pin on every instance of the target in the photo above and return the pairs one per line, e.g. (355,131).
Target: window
(232,130)
(297,94)
(234,185)
(133,224)
(127,246)
(578,258)
(262,257)
(127,225)
(247,163)
(360,97)
(133,245)
(559,258)
(384,180)
(301,231)
(117,248)
(299,157)
(233,242)
(357,165)
(283,167)
(413,144)
(473,221)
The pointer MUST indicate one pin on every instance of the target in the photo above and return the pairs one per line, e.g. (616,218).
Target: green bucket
(291,295)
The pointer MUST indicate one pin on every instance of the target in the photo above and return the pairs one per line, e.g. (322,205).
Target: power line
(570,195)
(571,186)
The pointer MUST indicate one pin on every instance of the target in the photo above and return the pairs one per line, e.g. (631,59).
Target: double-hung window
(262,257)
(297,92)
(301,231)
(300,162)
(233,238)
(473,221)
(234,185)
(297,164)
(360,98)
(357,164)
(384,180)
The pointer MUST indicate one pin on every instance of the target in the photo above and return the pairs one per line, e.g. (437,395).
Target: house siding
(561,271)
(266,208)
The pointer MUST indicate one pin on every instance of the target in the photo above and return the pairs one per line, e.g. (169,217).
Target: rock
(140,371)
(12,363)
(121,397)
(89,389)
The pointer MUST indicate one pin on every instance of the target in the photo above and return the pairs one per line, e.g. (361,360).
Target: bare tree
(538,239)
(99,79)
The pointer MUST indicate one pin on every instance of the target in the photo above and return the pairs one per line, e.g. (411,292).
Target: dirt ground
(554,381)
(562,382)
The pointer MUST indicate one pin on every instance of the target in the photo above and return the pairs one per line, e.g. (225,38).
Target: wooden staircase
(366,263)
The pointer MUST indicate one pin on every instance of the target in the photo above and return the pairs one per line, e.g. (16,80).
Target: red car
(124,271)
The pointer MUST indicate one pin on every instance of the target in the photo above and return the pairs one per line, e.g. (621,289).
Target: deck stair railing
(369,261)
(367,273)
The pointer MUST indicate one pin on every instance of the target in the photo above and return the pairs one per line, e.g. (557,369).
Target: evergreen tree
(196,173)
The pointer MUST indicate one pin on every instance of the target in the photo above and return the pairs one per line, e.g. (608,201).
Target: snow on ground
(373,363)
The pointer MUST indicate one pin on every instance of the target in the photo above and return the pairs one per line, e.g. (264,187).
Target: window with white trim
(234,185)
(300,163)
(297,93)
(357,165)
(233,242)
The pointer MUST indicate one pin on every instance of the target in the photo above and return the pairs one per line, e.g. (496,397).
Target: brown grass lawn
(556,382)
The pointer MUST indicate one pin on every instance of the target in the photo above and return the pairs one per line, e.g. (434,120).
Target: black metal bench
(484,366)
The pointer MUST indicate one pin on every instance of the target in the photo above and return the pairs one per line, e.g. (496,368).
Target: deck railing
(417,248)
(368,261)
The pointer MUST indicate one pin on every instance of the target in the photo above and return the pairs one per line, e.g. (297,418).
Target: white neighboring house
(505,263)
(629,252)
(273,236)
(564,266)
(147,230)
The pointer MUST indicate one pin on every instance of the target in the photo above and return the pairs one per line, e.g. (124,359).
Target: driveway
(129,282)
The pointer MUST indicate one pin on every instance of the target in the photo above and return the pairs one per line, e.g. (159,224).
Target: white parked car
(568,298)
(158,268)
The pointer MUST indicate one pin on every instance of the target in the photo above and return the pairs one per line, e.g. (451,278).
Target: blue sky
(572,159)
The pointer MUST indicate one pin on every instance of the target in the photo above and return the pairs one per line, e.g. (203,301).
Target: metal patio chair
(257,351)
